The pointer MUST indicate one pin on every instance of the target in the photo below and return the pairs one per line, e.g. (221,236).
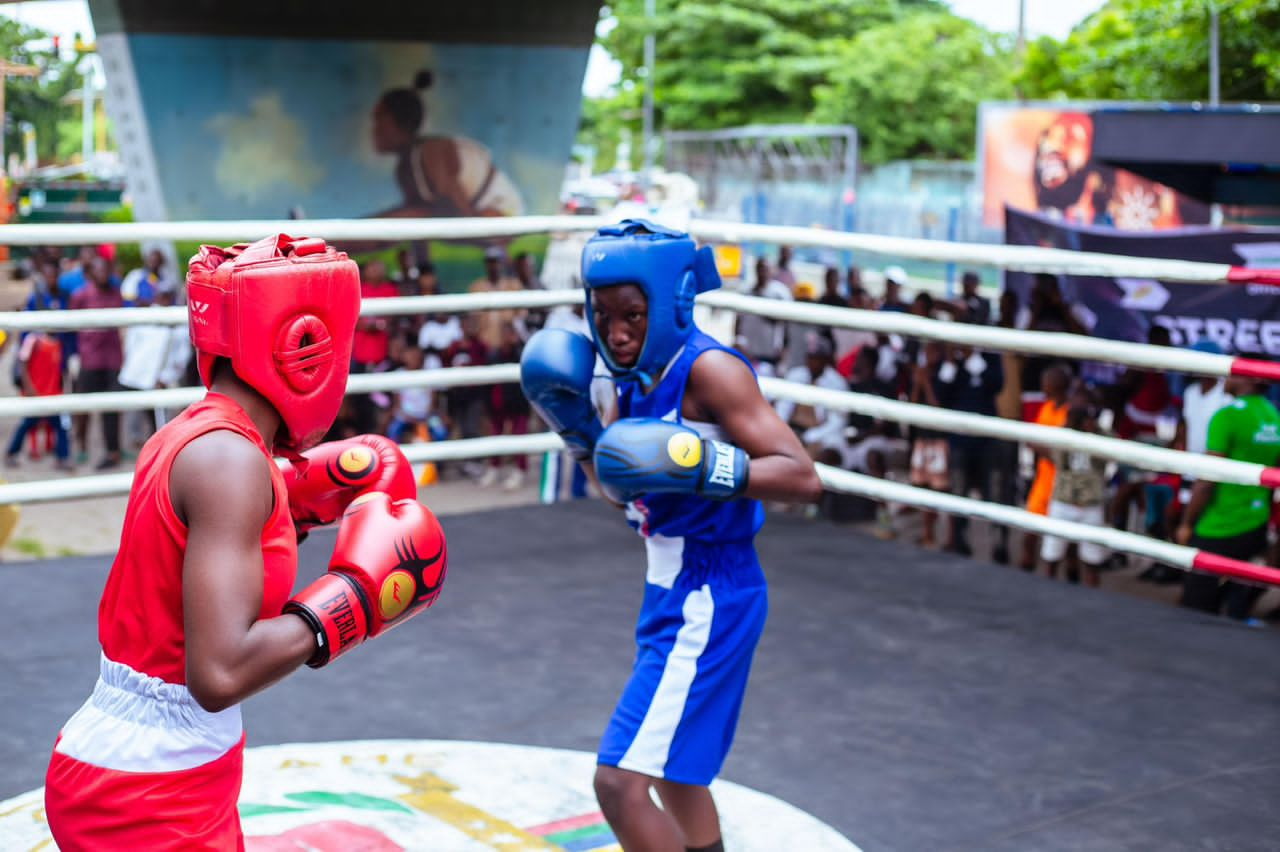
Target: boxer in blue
(690,450)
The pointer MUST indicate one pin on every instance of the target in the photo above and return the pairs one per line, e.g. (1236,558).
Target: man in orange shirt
(1055,382)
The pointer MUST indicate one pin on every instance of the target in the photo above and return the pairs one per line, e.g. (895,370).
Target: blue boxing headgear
(668,267)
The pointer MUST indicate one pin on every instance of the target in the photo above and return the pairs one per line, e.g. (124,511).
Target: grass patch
(29,547)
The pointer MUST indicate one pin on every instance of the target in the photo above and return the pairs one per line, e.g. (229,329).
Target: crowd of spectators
(144,356)
(1153,407)
(1141,405)
(95,360)
(432,341)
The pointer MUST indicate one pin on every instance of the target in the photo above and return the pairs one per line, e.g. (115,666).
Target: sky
(1043,17)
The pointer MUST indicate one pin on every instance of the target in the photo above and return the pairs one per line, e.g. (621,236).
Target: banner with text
(1244,320)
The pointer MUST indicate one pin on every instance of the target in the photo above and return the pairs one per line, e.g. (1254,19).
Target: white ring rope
(453,303)
(1185,558)
(1054,344)
(1024,258)
(1179,556)
(115,484)
(896,492)
(979,336)
(141,400)
(332,230)
(1212,468)
(1021,258)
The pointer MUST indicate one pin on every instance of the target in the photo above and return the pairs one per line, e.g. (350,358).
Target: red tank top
(140,617)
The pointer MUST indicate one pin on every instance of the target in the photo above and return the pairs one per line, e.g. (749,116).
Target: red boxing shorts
(142,766)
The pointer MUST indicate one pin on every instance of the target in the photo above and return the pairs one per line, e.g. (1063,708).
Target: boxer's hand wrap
(641,455)
(389,563)
(555,372)
(336,472)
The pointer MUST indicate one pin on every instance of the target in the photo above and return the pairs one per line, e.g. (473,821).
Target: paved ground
(910,699)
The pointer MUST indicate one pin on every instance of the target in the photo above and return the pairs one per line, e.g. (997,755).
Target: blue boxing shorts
(703,613)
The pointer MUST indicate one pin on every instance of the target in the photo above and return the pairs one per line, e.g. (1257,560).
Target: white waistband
(665,558)
(137,723)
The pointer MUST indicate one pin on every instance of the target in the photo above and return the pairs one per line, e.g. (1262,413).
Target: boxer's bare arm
(221,489)
(722,390)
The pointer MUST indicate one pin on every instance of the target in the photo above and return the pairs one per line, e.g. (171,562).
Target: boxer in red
(196,614)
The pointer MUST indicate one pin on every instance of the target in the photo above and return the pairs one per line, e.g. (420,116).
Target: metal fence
(771,175)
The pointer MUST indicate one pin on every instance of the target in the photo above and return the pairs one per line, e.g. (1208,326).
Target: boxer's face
(621,318)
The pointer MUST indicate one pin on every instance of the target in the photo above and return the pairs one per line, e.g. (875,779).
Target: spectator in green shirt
(1231,520)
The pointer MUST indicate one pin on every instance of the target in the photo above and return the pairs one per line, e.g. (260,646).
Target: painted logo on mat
(391,795)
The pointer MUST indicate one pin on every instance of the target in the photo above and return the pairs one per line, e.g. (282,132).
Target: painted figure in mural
(690,449)
(196,615)
(1070,183)
(438,175)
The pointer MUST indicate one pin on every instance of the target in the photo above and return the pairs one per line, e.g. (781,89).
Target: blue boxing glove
(641,455)
(555,372)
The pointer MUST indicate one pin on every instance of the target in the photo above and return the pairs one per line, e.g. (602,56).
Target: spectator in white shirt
(822,431)
(438,333)
(411,411)
(155,356)
(761,338)
(1202,398)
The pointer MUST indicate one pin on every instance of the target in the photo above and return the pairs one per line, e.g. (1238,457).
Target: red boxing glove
(338,471)
(388,564)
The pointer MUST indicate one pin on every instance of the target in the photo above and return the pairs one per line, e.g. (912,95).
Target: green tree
(724,63)
(1159,50)
(41,100)
(912,86)
(605,120)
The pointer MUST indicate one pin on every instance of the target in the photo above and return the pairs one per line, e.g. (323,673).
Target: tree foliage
(1159,50)
(724,63)
(727,62)
(41,100)
(912,86)
(909,74)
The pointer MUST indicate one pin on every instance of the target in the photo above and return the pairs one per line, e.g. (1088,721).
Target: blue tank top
(685,515)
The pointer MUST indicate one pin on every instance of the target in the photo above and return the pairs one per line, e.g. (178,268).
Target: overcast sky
(1044,17)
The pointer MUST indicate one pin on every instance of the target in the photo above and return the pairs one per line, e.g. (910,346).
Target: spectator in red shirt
(1138,401)
(101,357)
(370,351)
(40,358)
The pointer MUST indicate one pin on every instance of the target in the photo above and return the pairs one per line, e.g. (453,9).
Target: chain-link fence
(774,175)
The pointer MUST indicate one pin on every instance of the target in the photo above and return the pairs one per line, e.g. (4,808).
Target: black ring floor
(912,700)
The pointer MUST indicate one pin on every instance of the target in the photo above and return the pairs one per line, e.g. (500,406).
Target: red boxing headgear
(283,311)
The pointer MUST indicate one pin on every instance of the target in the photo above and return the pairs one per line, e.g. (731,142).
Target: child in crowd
(1079,491)
(411,407)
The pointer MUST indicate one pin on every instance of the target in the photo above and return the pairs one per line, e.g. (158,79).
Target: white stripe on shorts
(664,557)
(648,752)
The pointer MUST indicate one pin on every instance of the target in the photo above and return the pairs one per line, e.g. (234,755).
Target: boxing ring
(902,698)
